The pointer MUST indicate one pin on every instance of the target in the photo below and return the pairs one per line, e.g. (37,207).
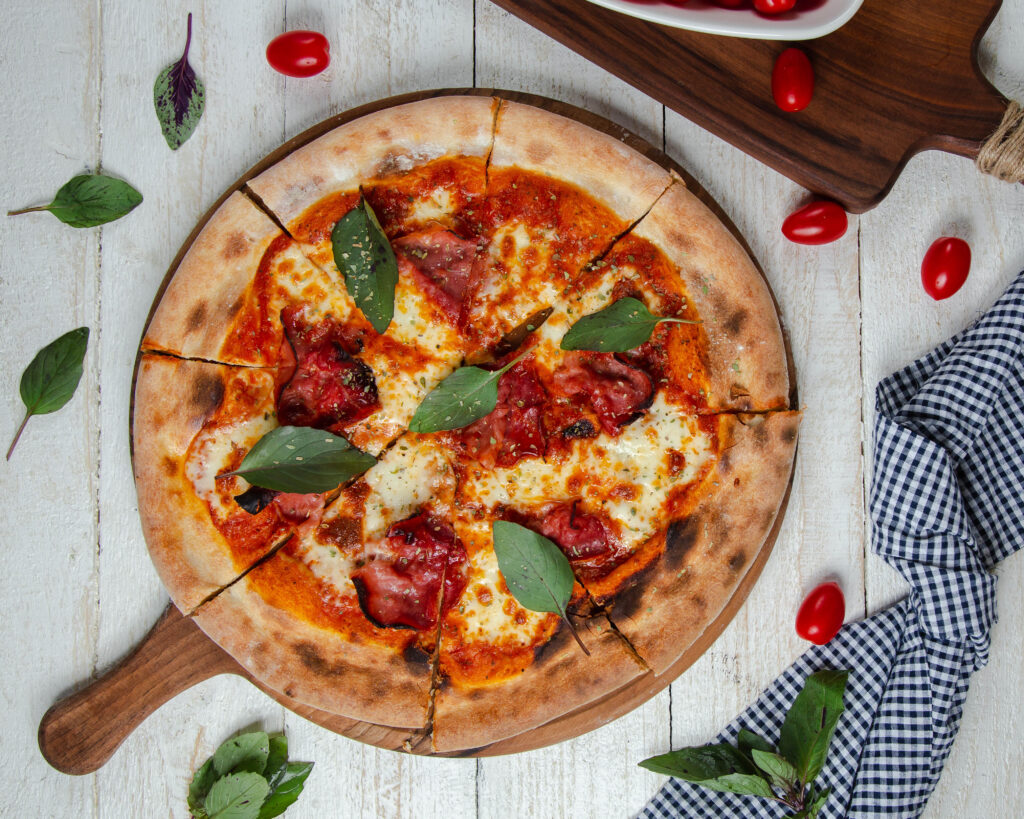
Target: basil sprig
(465,396)
(536,571)
(248,777)
(89,200)
(621,326)
(365,258)
(301,460)
(51,378)
(756,768)
(179,98)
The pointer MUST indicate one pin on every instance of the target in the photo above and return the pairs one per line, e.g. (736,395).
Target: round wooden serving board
(81,732)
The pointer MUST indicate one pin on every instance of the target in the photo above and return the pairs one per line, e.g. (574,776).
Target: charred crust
(196,317)
(681,537)
(734,324)
(737,561)
(235,245)
(207,393)
(414,655)
(170,465)
(630,598)
(310,657)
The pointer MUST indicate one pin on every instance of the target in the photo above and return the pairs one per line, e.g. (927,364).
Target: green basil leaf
(302,460)
(815,802)
(780,772)
(277,760)
(237,796)
(465,396)
(51,378)
(365,258)
(536,571)
(811,721)
(200,786)
(748,741)
(718,767)
(621,326)
(244,753)
(90,200)
(179,98)
(287,790)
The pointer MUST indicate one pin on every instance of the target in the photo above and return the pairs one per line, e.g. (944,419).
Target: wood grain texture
(69,480)
(897,79)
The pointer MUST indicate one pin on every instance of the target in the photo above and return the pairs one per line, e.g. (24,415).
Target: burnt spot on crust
(538,151)
(630,599)
(289,691)
(235,245)
(206,394)
(737,561)
(310,657)
(170,466)
(699,602)
(390,164)
(734,324)
(414,655)
(682,535)
(196,317)
(788,433)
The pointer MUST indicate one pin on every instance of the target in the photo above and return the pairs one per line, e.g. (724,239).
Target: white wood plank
(48,275)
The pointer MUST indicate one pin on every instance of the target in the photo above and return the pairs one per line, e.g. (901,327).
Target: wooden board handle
(81,732)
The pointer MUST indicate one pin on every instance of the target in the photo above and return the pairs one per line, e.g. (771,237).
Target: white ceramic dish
(815,19)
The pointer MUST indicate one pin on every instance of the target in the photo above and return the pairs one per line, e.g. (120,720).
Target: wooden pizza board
(898,78)
(80,732)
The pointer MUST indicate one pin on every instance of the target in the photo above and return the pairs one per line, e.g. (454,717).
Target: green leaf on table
(536,571)
(301,460)
(237,796)
(179,98)
(365,258)
(51,378)
(199,787)
(780,772)
(718,767)
(277,759)
(89,200)
(286,790)
(244,753)
(465,396)
(811,721)
(621,326)
(749,741)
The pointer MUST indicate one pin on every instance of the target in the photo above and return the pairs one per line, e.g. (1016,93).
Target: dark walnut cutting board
(899,78)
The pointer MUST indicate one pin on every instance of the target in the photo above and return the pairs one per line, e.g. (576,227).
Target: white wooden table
(77,589)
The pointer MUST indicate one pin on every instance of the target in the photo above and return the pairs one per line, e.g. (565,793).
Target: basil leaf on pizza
(90,200)
(621,326)
(179,98)
(366,259)
(301,460)
(51,378)
(536,571)
(465,396)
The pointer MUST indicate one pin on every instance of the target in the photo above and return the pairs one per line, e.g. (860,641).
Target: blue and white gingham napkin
(947,506)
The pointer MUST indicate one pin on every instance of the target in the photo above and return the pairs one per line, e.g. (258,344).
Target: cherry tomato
(945,267)
(299,53)
(792,80)
(773,6)
(821,614)
(817,223)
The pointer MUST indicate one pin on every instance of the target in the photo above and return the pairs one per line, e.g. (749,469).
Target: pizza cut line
(658,471)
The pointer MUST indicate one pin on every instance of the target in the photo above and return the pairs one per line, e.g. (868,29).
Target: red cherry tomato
(818,223)
(792,80)
(773,6)
(945,267)
(821,614)
(299,53)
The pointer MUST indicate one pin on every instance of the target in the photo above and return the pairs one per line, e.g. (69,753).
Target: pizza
(654,472)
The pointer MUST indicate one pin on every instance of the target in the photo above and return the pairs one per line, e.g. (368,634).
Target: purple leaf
(179,98)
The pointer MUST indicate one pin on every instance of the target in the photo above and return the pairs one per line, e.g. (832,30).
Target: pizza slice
(344,616)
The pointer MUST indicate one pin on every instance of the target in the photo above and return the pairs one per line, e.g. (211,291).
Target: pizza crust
(607,169)
(747,354)
(173,399)
(377,145)
(561,679)
(668,605)
(208,289)
(317,666)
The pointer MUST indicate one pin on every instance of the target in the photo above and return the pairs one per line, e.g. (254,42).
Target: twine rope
(1002,155)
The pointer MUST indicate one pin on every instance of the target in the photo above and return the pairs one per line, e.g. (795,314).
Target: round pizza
(460,417)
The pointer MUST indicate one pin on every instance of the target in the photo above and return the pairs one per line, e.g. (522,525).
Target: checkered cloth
(946,505)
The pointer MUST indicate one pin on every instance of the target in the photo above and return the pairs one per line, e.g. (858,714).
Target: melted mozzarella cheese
(321,293)
(411,474)
(628,476)
(437,207)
